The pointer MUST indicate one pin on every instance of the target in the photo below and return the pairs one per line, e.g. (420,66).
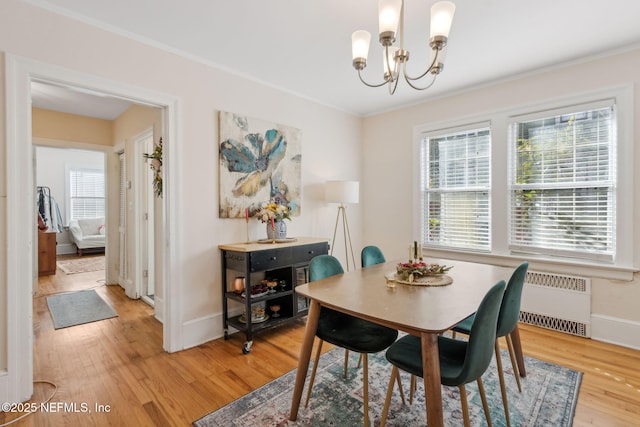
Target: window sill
(539,263)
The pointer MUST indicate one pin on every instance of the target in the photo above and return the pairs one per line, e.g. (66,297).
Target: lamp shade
(389,15)
(441,18)
(360,41)
(342,191)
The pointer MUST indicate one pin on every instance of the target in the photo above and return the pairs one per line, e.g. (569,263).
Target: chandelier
(390,23)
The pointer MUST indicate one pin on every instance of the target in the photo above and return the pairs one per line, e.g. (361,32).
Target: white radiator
(558,302)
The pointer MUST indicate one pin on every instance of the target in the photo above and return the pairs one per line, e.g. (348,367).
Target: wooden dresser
(46,253)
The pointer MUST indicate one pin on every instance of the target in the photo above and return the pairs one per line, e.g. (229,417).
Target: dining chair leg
(313,373)
(465,405)
(400,388)
(412,388)
(365,388)
(514,363)
(346,362)
(387,401)
(360,361)
(503,388)
(485,405)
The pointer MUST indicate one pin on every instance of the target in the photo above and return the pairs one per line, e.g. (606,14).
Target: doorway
(20,73)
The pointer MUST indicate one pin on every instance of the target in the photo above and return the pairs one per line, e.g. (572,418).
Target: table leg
(305,355)
(517,348)
(431,376)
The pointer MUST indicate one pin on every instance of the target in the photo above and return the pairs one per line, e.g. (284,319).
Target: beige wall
(127,127)
(330,145)
(71,127)
(390,142)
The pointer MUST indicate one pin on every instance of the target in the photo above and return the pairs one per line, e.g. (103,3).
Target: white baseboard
(158,304)
(4,386)
(204,329)
(608,329)
(199,331)
(65,249)
(613,330)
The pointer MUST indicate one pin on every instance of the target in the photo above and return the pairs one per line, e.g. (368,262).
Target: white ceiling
(304,47)
(77,101)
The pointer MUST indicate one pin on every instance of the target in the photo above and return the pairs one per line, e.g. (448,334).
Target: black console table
(283,263)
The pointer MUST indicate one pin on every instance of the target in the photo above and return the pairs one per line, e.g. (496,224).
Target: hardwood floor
(118,364)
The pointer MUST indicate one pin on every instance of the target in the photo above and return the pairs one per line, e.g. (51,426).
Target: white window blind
(456,180)
(86,193)
(562,183)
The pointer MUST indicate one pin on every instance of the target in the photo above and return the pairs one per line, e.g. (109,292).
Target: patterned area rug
(548,398)
(81,265)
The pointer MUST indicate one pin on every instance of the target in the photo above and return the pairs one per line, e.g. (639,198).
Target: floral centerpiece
(273,214)
(414,270)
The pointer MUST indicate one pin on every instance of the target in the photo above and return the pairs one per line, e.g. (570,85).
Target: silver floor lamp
(343,192)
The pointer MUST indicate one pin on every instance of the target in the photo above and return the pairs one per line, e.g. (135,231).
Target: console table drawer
(307,252)
(270,259)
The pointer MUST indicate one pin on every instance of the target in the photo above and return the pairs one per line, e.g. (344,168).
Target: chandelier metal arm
(420,88)
(428,70)
(372,85)
(395,85)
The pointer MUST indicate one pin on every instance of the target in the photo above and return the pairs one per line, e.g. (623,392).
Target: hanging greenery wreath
(156,166)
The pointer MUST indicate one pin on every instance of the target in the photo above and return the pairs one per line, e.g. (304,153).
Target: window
(562,182)
(86,193)
(456,182)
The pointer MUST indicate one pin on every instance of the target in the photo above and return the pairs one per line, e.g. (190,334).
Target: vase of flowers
(273,215)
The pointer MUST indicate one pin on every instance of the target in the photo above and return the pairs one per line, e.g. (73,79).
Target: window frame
(622,267)
(613,178)
(439,133)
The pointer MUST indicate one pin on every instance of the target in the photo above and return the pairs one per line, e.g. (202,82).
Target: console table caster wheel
(246,348)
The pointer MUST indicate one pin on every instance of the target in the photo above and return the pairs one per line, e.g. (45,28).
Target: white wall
(330,144)
(390,146)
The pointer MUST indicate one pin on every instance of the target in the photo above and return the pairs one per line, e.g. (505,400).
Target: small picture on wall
(259,162)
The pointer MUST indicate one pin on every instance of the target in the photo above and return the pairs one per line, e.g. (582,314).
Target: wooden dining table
(423,311)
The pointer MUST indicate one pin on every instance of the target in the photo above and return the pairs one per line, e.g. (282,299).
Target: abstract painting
(259,162)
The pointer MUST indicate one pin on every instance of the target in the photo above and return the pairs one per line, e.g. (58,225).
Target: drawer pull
(273,258)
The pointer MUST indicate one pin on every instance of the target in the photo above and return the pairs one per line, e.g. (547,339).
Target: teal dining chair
(348,332)
(507,322)
(461,362)
(371,255)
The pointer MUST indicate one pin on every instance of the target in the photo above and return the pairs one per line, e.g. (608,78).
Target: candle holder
(238,284)
(246,219)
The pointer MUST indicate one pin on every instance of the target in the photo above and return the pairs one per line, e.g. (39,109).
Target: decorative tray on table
(419,273)
(285,240)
